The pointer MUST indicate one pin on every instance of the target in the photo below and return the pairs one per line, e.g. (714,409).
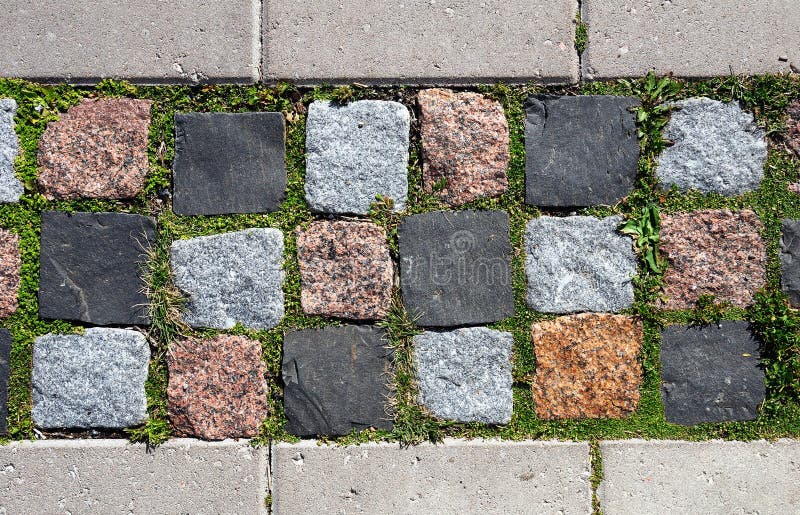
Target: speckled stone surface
(578,263)
(711,373)
(587,366)
(793,123)
(94,380)
(714,252)
(10,264)
(345,270)
(465,374)
(10,187)
(217,387)
(717,148)
(355,152)
(231,277)
(97,149)
(464,145)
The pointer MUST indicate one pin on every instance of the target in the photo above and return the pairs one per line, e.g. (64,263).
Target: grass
(581,34)
(772,319)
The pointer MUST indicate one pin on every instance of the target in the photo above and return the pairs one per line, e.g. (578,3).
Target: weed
(653,114)
(581,34)
(707,311)
(645,231)
(383,214)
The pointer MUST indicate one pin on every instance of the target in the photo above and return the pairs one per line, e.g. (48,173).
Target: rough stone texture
(455,267)
(675,477)
(628,38)
(91,381)
(479,476)
(336,380)
(114,476)
(355,152)
(228,163)
(587,366)
(794,127)
(465,374)
(578,263)
(420,42)
(345,270)
(10,187)
(790,260)
(97,149)
(712,252)
(232,277)
(580,150)
(217,387)
(10,264)
(717,148)
(5,372)
(147,41)
(711,373)
(464,144)
(91,267)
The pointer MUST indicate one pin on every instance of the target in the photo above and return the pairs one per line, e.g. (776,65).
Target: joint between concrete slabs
(582,10)
(257,8)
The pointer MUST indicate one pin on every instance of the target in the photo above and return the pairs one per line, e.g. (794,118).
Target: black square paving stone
(455,267)
(228,163)
(711,373)
(336,380)
(580,150)
(5,372)
(790,260)
(91,267)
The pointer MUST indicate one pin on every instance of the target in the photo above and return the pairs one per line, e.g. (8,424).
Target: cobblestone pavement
(422,291)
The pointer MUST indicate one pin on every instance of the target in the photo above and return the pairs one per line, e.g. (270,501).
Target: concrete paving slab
(480,476)
(148,41)
(700,477)
(113,476)
(690,39)
(420,41)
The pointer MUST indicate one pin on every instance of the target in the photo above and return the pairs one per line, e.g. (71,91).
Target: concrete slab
(148,41)
(420,41)
(480,476)
(700,477)
(690,39)
(113,476)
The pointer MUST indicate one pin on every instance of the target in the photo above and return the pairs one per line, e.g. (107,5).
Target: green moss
(581,34)
(771,317)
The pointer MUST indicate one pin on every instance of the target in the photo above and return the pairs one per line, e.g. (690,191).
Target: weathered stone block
(228,163)
(465,375)
(94,380)
(355,152)
(580,150)
(336,380)
(455,267)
